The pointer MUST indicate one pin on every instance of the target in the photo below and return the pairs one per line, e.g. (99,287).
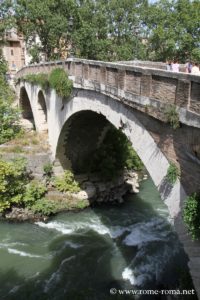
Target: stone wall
(129,80)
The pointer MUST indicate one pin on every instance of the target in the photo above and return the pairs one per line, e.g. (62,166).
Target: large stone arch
(122,117)
(42,113)
(25,106)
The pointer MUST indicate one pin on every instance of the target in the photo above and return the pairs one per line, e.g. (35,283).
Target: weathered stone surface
(23,214)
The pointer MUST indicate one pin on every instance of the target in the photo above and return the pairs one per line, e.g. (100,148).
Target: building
(14,50)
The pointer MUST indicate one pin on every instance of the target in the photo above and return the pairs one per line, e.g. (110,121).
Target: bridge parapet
(126,81)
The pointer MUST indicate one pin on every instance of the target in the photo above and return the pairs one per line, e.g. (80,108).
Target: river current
(83,255)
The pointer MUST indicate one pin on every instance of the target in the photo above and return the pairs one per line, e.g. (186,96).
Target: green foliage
(133,161)
(13,178)
(47,19)
(9,115)
(34,192)
(59,81)
(48,169)
(173,173)
(7,19)
(112,30)
(3,65)
(39,79)
(81,204)
(191,215)
(34,52)
(67,183)
(48,207)
(45,207)
(172,116)
(114,154)
(173,28)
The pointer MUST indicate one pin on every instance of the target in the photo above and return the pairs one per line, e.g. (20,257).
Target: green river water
(83,255)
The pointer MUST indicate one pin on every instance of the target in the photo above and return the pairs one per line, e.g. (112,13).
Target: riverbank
(46,189)
(93,192)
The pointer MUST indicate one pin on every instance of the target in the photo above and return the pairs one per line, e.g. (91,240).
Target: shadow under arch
(25,106)
(42,112)
(80,136)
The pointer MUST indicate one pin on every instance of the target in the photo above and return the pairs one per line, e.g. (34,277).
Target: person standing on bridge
(175,66)
(188,66)
(169,65)
(195,69)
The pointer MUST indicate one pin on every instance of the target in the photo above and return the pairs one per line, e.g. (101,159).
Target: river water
(83,255)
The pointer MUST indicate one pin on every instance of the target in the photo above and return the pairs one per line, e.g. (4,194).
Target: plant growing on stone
(191,215)
(59,81)
(67,183)
(173,173)
(39,79)
(172,116)
(48,170)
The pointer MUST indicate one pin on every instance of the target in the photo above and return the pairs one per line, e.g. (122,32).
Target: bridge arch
(107,110)
(25,106)
(42,112)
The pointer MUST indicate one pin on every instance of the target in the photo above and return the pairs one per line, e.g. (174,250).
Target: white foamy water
(145,232)
(61,227)
(66,228)
(7,244)
(127,274)
(22,253)
(145,267)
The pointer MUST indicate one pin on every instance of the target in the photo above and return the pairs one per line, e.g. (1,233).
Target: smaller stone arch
(42,113)
(25,106)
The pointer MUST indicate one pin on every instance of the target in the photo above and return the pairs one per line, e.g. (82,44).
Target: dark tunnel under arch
(25,106)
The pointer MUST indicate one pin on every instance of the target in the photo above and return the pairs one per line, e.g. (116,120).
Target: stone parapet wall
(180,89)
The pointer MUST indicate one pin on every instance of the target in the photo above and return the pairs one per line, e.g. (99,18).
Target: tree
(9,115)
(7,19)
(173,29)
(112,30)
(46,19)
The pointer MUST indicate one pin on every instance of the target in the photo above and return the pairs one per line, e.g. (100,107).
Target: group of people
(192,68)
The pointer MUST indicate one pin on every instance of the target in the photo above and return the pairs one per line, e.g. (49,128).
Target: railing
(120,78)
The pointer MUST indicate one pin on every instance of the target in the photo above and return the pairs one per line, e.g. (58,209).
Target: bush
(67,183)
(173,173)
(48,169)
(114,154)
(191,215)
(13,178)
(45,207)
(39,79)
(9,115)
(172,116)
(34,192)
(59,81)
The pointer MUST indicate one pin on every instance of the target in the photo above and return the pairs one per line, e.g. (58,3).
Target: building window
(12,52)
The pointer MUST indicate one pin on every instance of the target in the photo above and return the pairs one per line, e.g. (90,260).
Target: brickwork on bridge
(166,87)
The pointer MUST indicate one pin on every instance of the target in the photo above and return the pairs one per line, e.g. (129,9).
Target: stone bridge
(134,97)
